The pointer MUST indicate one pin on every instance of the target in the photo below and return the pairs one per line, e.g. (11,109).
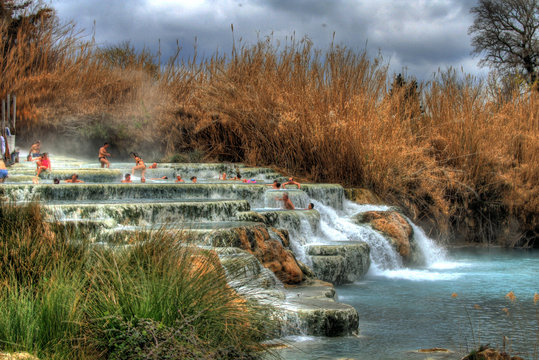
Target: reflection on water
(408,309)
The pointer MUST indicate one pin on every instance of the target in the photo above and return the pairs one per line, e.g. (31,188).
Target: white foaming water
(433,253)
(385,261)
(448,265)
(339,227)
(413,274)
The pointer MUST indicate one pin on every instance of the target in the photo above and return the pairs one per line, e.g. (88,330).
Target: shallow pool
(454,304)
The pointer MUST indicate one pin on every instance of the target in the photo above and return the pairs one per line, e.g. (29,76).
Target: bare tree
(506,33)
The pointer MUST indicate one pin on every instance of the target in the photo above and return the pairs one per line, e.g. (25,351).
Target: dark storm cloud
(417,36)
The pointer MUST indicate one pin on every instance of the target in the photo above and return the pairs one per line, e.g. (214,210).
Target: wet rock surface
(313,308)
(397,230)
(340,264)
(309,308)
(270,250)
(241,222)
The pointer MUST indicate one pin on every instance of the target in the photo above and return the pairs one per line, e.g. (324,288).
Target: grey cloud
(418,35)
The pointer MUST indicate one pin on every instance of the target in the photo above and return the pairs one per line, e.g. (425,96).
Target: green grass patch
(153,297)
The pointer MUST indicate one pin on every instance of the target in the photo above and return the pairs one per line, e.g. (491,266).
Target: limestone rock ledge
(312,310)
(341,263)
(397,230)
(307,309)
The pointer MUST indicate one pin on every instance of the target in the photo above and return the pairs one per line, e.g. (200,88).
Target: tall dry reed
(456,155)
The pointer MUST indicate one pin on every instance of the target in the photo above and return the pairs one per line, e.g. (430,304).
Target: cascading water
(337,225)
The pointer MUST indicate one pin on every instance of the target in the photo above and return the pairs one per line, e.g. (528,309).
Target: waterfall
(337,226)
(433,253)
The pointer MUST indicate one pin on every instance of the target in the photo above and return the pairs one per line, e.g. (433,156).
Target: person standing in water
(286,202)
(3,170)
(35,149)
(103,154)
(139,165)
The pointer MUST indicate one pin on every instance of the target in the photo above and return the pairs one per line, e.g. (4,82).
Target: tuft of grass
(155,294)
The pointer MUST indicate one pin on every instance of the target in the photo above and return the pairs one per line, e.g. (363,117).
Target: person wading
(103,154)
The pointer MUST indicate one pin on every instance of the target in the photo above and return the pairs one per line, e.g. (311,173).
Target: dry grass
(455,157)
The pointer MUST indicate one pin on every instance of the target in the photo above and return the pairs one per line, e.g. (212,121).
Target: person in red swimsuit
(43,164)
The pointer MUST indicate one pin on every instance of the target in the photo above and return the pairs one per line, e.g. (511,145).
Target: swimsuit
(3,173)
(36,155)
(46,163)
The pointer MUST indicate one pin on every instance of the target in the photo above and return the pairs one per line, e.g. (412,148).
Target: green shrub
(158,297)
(179,286)
(43,319)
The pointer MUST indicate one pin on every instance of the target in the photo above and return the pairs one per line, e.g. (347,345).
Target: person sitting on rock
(74,179)
(194,179)
(43,164)
(286,202)
(290,182)
(127,178)
(179,179)
(139,165)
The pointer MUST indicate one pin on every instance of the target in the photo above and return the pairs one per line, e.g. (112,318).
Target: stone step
(286,219)
(340,263)
(82,192)
(258,195)
(174,212)
(91,172)
(87,175)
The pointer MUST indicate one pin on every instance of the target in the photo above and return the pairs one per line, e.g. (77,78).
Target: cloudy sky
(416,37)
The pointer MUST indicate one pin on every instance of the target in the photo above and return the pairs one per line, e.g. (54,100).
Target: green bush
(179,286)
(192,156)
(158,297)
(43,319)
